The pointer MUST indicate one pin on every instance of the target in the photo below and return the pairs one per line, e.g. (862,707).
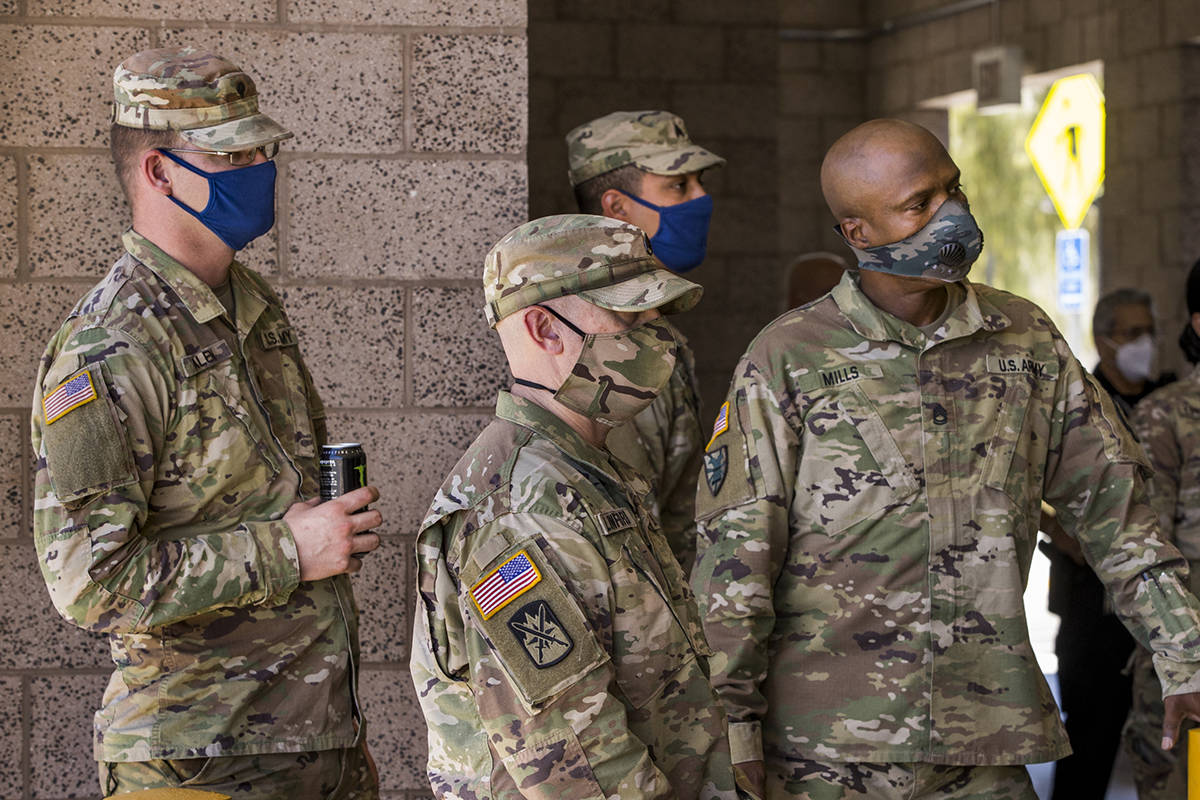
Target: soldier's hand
(1178,708)
(329,535)
(751,777)
(1062,541)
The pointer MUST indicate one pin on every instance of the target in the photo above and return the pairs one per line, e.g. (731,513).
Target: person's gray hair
(1104,317)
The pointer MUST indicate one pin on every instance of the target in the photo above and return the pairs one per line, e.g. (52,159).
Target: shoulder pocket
(532,622)
(87,451)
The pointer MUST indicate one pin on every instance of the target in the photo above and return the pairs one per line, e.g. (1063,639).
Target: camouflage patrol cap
(655,141)
(605,261)
(210,102)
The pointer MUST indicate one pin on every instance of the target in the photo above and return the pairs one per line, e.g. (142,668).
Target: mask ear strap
(196,170)
(640,201)
(532,385)
(182,163)
(563,320)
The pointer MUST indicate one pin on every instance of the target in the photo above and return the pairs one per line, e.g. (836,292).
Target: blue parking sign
(1071,256)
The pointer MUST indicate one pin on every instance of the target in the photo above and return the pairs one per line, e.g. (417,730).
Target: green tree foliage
(1018,220)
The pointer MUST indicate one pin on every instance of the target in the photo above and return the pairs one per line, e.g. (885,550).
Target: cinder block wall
(1150,207)
(408,162)
(713,62)
(822,94)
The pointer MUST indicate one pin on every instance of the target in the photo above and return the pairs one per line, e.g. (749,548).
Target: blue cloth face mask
(241,202)
(682,236)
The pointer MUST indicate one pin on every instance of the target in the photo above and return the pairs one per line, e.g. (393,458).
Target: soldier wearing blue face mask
(642,167)
(174,419)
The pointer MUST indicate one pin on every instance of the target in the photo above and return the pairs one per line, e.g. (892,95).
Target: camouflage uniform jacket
(1168,424)
(665,443)
(868,514)
(158,517)
(557,651)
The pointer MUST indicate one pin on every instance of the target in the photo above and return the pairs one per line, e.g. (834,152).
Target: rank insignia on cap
(722,423)
(504,584)
(539,632)
(68,395)
(716,467)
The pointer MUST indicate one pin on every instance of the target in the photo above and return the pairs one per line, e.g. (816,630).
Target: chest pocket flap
(851,466)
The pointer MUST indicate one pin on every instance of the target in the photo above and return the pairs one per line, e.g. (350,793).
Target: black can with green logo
(343,469)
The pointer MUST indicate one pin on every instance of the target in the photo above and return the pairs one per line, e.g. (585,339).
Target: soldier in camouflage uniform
(641,167)
(870,503)
(557,650)
(177,432)
(1168,424)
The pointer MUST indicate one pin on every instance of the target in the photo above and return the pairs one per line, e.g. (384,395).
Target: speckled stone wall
(713,62)
(408,162)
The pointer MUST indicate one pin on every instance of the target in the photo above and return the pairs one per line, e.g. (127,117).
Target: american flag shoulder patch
(68,395)
(505,583)
(721,425)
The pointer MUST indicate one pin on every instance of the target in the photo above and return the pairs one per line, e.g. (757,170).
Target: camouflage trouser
(1159,774)
(814,780)
(320,775)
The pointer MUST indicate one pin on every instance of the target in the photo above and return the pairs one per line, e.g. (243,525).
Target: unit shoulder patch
(540,633)
(716,467)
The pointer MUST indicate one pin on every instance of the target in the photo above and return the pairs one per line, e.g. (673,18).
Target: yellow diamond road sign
(1066,145)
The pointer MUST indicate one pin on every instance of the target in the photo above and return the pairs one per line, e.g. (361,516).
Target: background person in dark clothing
(1092,645)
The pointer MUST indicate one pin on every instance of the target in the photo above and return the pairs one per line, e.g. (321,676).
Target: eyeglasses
(237,158)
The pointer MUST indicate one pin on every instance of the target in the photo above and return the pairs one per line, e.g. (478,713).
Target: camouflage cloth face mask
(617,374)
(944,249)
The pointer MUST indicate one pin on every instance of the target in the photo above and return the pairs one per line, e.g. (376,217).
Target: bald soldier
(176,431)
(869,510)
(557,650)
(641,167)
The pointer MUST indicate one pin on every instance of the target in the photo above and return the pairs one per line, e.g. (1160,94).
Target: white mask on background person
(1136,359)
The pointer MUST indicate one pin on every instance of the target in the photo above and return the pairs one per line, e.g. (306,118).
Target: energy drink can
(343,469)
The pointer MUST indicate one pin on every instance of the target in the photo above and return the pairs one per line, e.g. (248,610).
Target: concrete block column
(408,163)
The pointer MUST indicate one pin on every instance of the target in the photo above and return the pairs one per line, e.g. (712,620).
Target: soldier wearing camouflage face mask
(870,506)
(177,430)
(641,167)
(557,651)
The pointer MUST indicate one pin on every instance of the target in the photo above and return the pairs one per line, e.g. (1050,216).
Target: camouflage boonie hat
(655,141)
(212,103)
(605,261)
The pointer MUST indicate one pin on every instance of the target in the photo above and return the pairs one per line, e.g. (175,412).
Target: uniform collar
(528,414)
(197,296)
(970,314)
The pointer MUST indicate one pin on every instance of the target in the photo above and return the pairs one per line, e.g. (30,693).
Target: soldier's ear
(1196,323)
(854,229)
(539,327)
(615,204)
(152,172)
